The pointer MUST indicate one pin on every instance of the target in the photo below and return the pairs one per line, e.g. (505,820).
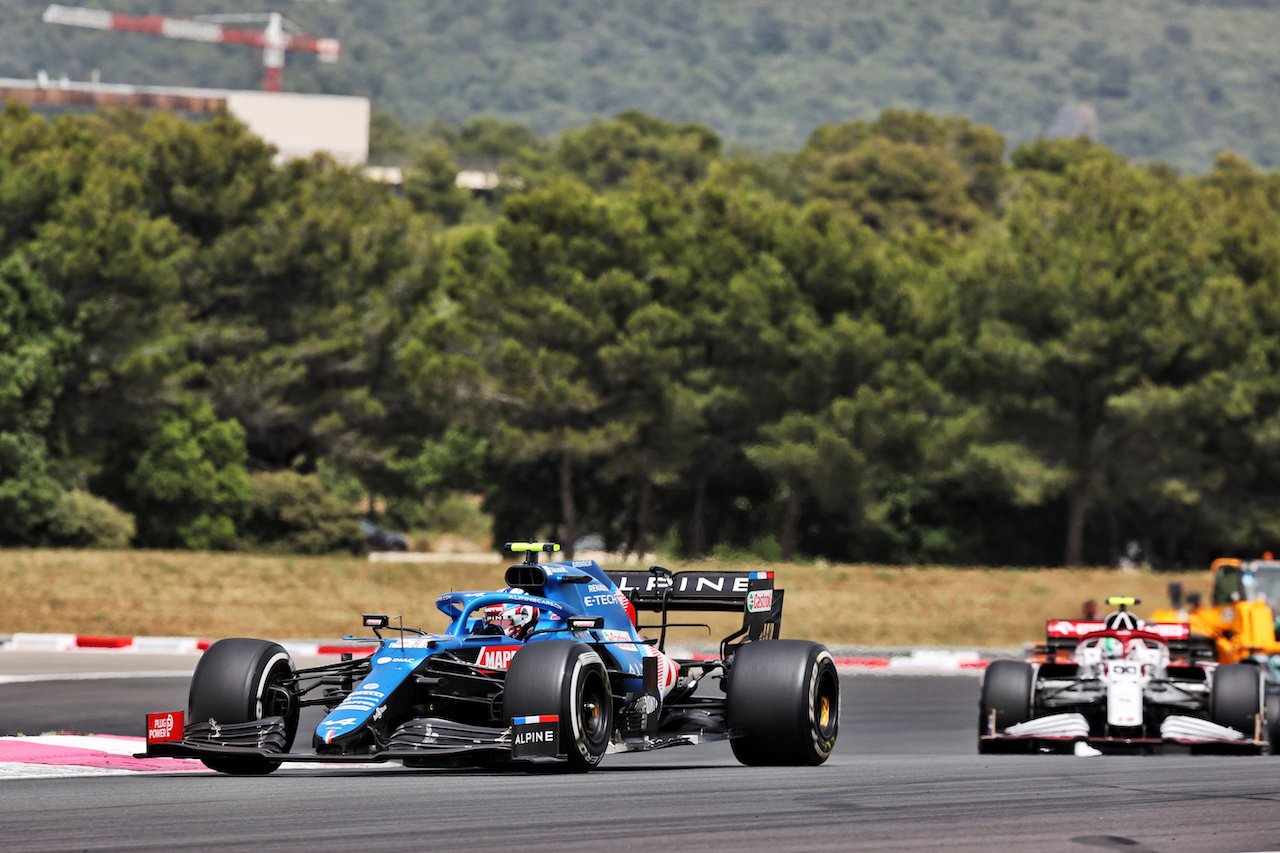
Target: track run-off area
(905,776)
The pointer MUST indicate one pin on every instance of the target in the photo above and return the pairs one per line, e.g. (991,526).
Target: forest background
(909,341)
(1171,80)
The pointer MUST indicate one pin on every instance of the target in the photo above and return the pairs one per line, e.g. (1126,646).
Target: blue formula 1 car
(551,669)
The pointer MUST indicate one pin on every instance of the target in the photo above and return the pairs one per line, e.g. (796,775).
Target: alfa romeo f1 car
(1122,684)
(552,669)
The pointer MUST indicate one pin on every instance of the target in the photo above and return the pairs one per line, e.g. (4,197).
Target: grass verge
(173,593)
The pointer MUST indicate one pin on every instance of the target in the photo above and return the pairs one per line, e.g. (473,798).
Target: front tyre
(1235,699)
(1007,688)
(566,678)
(783,703)
(239,681)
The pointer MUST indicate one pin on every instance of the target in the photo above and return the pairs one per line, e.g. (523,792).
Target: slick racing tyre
(1006,689)
(1272,698)
(239,681)
(565,678)
(783,703)
(1235,699)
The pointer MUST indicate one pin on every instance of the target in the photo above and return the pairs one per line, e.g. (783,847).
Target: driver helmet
(514,620)
(1123,620)
(1111,648)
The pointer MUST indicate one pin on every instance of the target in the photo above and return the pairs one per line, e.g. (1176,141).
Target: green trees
(1096,301)
(34,359)
(189,485)
(893,347)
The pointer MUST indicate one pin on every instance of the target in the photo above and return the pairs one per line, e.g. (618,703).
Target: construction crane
(280,35)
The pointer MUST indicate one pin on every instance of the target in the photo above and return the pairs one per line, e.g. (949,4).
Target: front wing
(1182,730)
(421,741)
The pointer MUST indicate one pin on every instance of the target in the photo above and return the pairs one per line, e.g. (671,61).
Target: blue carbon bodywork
(399,657)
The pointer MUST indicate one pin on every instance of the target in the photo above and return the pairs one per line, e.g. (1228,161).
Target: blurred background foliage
(1171,80)
(916,337)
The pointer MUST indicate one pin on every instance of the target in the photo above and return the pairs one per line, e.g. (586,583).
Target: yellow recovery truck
(1239,625)
(1240,621)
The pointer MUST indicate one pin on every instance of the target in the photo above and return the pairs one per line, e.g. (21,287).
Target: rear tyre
(239,681)
(783,703)
(1007,686)
(1236,697)
(566,678)
(1272,699)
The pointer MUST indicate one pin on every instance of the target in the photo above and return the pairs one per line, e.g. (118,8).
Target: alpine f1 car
(551,669)
(1125,685)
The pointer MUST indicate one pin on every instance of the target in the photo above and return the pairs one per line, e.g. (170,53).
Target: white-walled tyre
(568,679)
(238,681)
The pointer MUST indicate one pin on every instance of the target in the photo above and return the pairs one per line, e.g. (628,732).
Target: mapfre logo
(496,657)
(164,727)
(760,601)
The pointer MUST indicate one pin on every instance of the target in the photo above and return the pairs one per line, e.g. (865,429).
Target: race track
(905,776)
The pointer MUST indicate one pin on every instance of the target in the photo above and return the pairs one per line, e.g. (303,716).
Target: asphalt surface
(905,776)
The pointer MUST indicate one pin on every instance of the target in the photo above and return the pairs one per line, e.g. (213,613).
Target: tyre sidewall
(550,677)
(774,692)
(228,686)
(1236,696)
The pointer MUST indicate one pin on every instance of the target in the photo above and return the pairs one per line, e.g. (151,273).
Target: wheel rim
(592,715)
(826,705)
(277,700)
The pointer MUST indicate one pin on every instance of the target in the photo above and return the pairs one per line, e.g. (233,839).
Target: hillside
(1169,80)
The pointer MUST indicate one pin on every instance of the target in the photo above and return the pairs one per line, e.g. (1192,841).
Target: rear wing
(662,591)
(1062,636)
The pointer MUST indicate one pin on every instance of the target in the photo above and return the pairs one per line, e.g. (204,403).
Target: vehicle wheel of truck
(783,703)
(568,679)
(1006,689)
(1236,696)
(239,681)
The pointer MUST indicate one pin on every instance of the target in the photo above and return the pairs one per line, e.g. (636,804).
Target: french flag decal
(524,721)
(759,576)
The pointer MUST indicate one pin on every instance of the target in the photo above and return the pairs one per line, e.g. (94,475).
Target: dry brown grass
(172,593)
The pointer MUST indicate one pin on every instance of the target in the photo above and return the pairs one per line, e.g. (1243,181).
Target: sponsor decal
(597,587)
(413,642)
(535,736)
(582,564)
(370,685)
(383,660)
(601,600)
(1074,628)
(164,727)
(377,715)
(496,657)
(710,584)
(1067,628)
(760,601)
(619,639)
(345,721)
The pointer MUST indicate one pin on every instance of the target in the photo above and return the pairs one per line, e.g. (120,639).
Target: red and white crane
(279,36)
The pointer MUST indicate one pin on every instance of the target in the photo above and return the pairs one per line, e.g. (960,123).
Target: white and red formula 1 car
(1125,685)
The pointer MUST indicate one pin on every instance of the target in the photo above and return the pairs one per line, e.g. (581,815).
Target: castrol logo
(760,601)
